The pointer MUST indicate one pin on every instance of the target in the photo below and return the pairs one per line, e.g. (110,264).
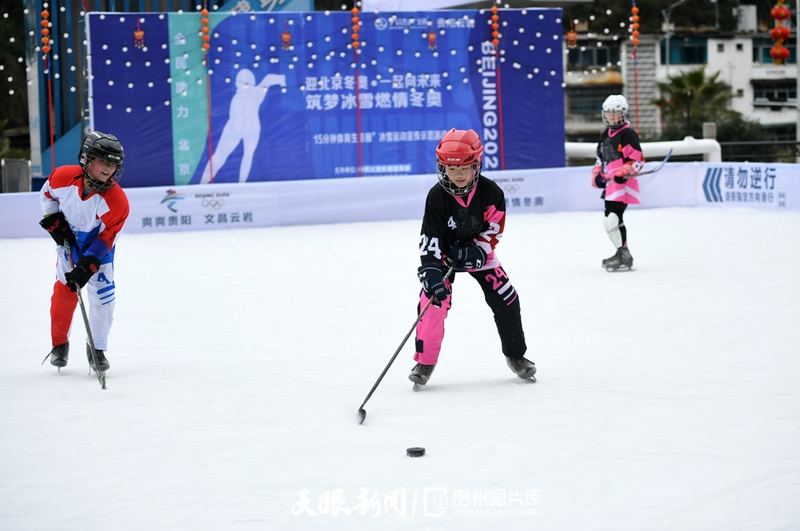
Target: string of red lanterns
(46,41)
(779,33)
(204,30)
(355,20)
(45,32)
(495,27)
(356,26)
(635,41)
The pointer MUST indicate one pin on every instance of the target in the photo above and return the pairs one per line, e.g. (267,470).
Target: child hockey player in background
(465,214)
(619,159)
(85,208)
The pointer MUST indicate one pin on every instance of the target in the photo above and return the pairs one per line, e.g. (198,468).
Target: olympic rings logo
(511,188)
(213,204)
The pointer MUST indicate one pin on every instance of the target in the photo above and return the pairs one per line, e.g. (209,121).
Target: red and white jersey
(95,219)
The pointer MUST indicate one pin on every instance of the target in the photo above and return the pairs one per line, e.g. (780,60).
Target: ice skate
(522,367)
(621,261)
(101,359)
(59,356)
(420,374)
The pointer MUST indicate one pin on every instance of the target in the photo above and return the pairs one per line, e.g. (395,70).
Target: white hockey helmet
(616,103)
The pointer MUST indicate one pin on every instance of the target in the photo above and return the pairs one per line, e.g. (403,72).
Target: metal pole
(666,13)
(688,113)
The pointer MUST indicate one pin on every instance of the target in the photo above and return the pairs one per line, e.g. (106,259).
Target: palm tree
(689,99)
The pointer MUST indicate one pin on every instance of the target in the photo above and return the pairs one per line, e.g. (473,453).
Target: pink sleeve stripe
(631,153)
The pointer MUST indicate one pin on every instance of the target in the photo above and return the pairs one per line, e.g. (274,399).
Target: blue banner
(290,98)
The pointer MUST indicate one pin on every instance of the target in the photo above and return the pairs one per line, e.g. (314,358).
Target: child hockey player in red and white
(619,159)
(465,214)
(84,206)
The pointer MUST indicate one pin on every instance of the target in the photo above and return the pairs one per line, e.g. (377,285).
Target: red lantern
(779,54)
(780,33)
(572,36)
(431,40)
(138,36)
(779,12)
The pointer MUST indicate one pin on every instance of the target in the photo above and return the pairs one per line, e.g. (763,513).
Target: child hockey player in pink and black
(85,208)
(465,214)
(619,159)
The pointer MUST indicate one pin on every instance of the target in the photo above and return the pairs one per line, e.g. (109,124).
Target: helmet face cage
(106,148)
(458,149)
(453,189)
(615,103)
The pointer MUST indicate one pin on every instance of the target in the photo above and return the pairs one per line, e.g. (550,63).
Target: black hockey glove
(56,225)
(432,278)
(463,258)
(78,277)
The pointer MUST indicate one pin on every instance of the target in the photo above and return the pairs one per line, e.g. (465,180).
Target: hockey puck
(416,451)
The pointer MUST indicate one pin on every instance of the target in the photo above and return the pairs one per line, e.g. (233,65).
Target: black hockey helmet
(104,147)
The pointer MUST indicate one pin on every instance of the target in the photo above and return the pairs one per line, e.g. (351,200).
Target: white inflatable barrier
(710,149)
(229,206)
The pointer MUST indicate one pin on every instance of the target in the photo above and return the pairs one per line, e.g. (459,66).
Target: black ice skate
(522,367)
(101,359)
(420,374)
(621,261)
(59,355)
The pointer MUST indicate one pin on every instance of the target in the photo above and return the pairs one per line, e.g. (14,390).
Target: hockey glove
(463,258)
(623,173)
(56,225)
(598,179)
(78,277)
(432,279)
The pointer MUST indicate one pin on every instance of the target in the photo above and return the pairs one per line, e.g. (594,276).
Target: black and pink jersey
(477,218)
(616,148)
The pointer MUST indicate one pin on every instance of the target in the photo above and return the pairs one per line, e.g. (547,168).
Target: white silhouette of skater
(244,124)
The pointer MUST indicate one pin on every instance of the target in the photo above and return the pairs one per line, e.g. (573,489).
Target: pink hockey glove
(623,173)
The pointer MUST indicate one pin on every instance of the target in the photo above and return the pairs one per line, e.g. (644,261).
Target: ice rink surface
(667,398)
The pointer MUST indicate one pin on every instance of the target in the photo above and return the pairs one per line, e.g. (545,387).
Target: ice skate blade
(416,379)
(622,269)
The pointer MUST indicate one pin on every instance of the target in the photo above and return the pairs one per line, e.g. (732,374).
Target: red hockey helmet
(459,148)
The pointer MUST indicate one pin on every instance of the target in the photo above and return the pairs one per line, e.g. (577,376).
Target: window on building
(588,55)
(775,94)
(684,51)
(588,100)
(739,47)
(739,93)
(762,46)
(720,47)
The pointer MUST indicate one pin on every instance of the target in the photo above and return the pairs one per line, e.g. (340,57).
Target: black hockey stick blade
(660,165)
(362,415)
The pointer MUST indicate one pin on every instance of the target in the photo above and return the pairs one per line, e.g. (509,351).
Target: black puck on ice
(416,451)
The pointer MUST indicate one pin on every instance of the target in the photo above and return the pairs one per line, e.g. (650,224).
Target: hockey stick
(660,165)
(362,413)
(101,375)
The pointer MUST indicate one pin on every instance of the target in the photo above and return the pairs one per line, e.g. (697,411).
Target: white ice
(668,398)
